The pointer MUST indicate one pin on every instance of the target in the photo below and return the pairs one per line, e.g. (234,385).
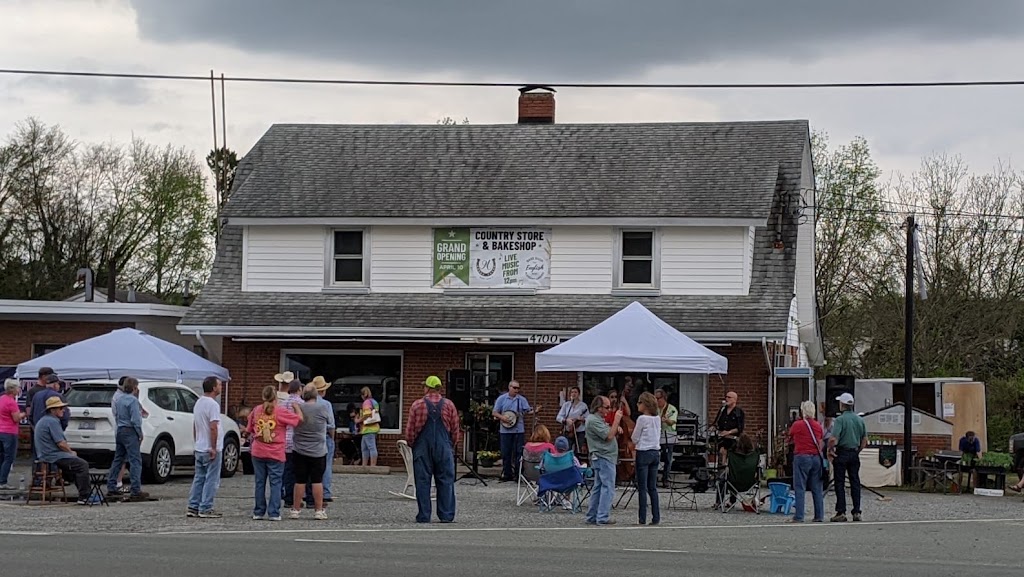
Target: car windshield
(86,395)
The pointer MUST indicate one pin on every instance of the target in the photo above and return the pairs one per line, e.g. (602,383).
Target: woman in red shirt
(806,434)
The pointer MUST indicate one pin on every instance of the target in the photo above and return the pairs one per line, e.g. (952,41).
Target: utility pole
(908,355)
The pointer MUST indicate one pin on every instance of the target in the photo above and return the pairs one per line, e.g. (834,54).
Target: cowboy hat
(320,384)
(285,377)
(54,402)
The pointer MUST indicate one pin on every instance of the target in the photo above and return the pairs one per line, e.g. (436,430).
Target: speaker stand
(471,469)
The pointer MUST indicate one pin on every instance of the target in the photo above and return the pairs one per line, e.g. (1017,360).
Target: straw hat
(320,384)
(54,402)
(285,377)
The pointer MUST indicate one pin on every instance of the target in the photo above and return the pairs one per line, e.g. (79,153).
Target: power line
(470,84)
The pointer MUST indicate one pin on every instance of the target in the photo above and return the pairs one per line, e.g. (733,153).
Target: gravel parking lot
(363,502)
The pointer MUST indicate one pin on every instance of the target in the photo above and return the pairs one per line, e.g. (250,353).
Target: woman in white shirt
(647,438)
(573,417)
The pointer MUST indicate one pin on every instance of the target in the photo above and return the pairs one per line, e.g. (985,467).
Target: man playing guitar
(729,424)
(509,410)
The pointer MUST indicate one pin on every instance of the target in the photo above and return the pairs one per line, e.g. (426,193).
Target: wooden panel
(969,411)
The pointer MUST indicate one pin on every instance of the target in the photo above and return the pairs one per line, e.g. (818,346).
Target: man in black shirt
(39,386)
(730,423)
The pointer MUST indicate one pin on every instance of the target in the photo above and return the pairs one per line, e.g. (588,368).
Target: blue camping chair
(559,483)
(782,498)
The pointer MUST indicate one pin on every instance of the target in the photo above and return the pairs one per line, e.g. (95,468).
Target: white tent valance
(633,339)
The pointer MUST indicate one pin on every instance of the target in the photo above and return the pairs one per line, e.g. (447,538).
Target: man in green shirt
(669,416)
(849,437)
(604,454)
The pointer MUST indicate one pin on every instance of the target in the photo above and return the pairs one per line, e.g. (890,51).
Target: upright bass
(627,449)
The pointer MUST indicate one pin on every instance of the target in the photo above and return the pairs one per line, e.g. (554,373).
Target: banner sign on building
(492,258)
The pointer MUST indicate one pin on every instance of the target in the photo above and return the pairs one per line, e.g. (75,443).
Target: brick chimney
(536,107)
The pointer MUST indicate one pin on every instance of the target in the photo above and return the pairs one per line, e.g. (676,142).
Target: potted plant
(487,458)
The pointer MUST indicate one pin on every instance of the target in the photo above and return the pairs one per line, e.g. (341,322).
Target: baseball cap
(432,382)
(845,399)
(562,444)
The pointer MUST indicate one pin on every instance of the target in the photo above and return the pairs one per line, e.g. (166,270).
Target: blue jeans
(647,483)
(368,446)
(666,457)
(267,470)
(511,454)
(847,462)
(126,449)
(807,475)
(328,474)
(604,490)
(8,450)
(205,482)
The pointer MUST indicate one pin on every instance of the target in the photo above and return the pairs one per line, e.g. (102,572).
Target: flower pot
(488,462)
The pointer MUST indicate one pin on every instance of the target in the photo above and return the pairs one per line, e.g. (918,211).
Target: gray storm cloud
(575,39)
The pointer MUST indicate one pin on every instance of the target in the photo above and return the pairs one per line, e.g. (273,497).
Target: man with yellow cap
(433,431)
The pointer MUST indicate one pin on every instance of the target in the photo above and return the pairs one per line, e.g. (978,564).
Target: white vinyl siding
(401,261)
(581,260)
(283,259)
(704,260)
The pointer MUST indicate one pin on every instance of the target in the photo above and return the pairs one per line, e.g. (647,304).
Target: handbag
(824,461)
(373,419)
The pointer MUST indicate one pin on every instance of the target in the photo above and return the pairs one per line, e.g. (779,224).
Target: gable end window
(638,263)
(349,257)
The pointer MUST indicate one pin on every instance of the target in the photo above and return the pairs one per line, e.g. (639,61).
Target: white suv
(168,438)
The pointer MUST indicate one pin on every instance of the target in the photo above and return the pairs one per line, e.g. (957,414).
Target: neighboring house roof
(709,170)
(725,170)
(119,297)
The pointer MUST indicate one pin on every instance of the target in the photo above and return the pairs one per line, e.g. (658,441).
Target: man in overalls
(432,431)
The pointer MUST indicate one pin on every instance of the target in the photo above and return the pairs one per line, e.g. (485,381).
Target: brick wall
(17,337)
(748,378)
(926,444)
(253,365)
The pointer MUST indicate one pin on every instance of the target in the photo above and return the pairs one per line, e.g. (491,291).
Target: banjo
(510,418)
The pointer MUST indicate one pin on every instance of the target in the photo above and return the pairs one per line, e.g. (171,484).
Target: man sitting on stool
(52,448)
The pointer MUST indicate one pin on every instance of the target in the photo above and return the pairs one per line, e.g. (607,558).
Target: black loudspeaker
(836,385)
(457,387)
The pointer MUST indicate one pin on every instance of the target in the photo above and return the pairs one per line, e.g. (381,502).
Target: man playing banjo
(509,410)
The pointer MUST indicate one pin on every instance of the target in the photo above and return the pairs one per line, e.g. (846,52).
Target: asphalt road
(908,549)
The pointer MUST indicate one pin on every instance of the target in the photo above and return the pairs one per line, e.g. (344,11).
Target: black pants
(847,463)
(76,470)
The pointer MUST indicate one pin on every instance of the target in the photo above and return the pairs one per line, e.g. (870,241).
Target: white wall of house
(283,258)
(694,260)
(705,260)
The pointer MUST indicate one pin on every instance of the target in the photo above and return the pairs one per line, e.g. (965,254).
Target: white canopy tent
(633,339)
(124,352)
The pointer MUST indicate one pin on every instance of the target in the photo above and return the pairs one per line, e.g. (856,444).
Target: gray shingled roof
(724,170)
(738,170)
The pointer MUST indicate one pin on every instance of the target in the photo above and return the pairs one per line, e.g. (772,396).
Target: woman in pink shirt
(10,422)
(266,429)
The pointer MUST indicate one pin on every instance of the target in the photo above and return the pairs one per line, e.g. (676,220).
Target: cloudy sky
(536,41)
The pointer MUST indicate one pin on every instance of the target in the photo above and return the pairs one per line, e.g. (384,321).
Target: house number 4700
(543,339)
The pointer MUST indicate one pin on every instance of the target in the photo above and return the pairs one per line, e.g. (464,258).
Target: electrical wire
(480,84)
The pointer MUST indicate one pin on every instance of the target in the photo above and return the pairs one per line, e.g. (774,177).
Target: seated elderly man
(51,447)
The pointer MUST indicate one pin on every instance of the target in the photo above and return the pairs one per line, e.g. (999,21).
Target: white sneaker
(293,514)
(277,518)
(258,517)
(320,515)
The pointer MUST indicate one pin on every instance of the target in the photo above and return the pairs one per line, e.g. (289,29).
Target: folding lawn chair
(529,474)
(740,482)
(559,483)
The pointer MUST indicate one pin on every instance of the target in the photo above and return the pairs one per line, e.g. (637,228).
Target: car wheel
(161,461)
(230,459)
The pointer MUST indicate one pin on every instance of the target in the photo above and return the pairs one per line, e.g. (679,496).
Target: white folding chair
(409,490)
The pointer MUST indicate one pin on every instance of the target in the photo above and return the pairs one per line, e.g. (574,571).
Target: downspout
(206,347)
(771,398)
